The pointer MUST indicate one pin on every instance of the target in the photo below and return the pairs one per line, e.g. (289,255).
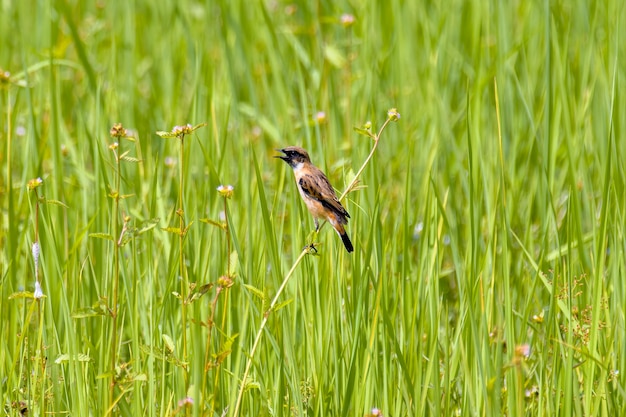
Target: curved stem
(263,323)
(367,160)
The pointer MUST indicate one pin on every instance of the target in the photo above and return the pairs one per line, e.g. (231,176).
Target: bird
(318,195)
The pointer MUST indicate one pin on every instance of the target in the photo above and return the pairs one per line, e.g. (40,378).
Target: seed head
(118,131)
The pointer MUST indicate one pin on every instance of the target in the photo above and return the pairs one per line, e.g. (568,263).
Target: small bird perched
(317,193)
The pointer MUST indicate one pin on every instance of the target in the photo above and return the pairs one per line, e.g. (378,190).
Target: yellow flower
(226,190)
(393,115)
(34,183)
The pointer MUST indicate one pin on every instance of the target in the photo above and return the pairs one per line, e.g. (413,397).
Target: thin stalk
(116,275)
(38,298)
(181,260)
(376,139)
(227,238)
(223,284)
(266,315)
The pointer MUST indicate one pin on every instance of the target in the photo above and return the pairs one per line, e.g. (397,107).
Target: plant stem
(116,276)
(227,238)
(367,160)
(263,323)
(181,258)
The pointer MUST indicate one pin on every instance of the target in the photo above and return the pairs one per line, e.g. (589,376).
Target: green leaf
(226,349)
(233,262)
(130,159)
(214,223)
(21,294)
(334,56)
(283,304)
(198,126)
(169,343)
(65,357)
(255,291)
(147,225)
(105,236)
(364,132)
(86,312)
(99,308)
(57,203)
(166,135)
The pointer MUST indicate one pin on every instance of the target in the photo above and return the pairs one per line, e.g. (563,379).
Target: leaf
(255,291)
(198,126)
(99,308)
(187,228)
(283,304)
(251,385)
(57,203)
(21,294)
(87,312)
(166,135)
(160,355)
(214,223)
(364,132)
(147,225)
(130,159)
(233,262)
(102,236)
(169,343)
(226,349)
(334,56)
(65,357)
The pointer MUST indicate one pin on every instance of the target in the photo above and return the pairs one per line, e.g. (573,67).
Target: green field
(488,276)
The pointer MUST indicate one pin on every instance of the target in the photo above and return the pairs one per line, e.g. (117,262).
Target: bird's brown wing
(318,188)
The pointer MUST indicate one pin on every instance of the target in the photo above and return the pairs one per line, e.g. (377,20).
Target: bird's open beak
(283,157)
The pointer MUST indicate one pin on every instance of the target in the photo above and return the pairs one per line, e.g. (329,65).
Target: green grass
(487,277)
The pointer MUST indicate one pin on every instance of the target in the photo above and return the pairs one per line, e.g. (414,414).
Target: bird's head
(294,156)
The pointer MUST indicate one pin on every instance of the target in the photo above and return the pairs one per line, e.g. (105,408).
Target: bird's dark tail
(346,242)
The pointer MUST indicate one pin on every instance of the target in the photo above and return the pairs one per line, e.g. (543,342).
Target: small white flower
(170,161)
(320,117)
(38,292)
(347,19)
